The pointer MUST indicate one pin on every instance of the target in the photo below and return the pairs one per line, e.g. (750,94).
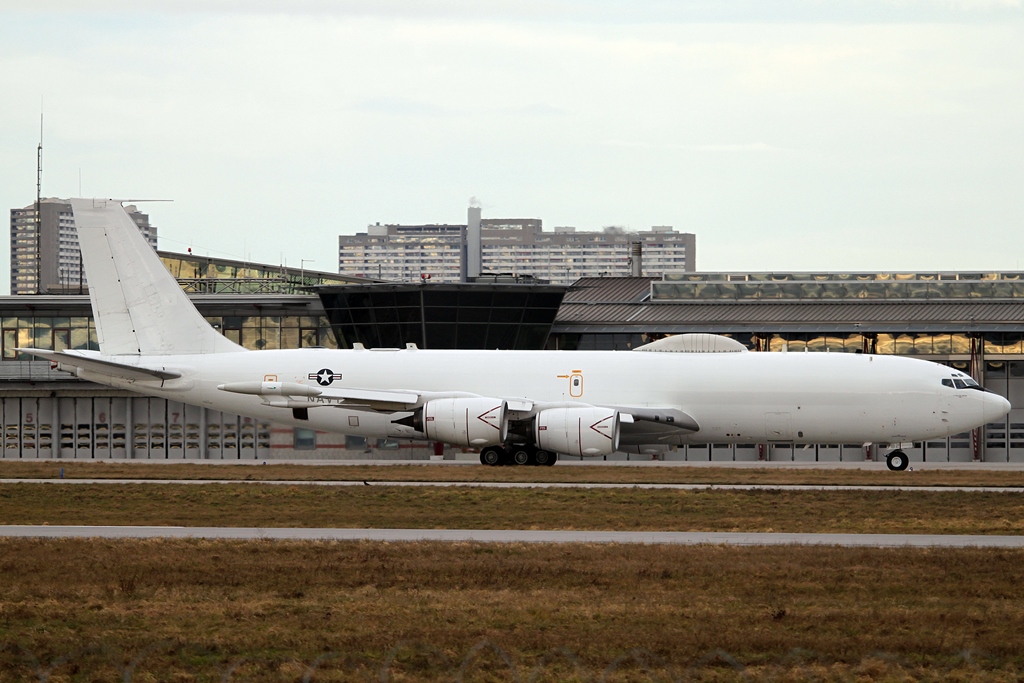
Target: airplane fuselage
(733,397)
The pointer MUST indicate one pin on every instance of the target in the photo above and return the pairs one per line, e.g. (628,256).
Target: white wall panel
(29,428)
(119,427)
(46,412)
(140,428)
(175,430)
(12,428)
(101,428)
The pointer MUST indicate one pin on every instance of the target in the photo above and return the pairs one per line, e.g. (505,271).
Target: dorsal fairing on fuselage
(694,343)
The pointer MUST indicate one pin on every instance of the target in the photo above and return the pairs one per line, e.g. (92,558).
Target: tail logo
(325,377)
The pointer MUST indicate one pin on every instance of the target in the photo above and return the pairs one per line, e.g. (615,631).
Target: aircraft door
(576,384)
(778,426)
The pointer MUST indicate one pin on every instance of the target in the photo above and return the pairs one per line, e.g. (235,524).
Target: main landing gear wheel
(544,458)
(522,456)
(492,455)
(897,460)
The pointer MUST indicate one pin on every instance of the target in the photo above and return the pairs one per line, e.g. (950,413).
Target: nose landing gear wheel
(492,455)
(897,461)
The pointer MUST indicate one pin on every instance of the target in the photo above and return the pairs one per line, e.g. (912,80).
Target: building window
(304,439)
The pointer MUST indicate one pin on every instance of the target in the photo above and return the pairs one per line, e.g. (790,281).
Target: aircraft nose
(994,407)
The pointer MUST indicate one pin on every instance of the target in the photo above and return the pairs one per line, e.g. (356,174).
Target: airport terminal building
(971,321)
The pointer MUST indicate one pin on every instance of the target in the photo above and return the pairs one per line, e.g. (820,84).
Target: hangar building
(971,321)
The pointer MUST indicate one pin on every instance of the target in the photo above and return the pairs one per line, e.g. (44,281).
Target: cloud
(587,11)
(397,106)
(756,147)
(748,147)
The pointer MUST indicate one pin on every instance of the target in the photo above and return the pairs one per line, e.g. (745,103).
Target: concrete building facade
(52,263)
(516,246)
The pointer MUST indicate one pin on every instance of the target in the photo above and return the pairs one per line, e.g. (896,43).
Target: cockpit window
(970,382)
(960,384)
(947,383)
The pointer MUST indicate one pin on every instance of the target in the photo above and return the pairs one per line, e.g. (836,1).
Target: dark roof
(605,290)
(768,316)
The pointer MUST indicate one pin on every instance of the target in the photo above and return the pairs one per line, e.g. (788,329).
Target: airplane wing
(290,395)
(71,362)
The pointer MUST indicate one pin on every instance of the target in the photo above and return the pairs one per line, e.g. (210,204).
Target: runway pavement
(528,485)
(519,536)
(473,462)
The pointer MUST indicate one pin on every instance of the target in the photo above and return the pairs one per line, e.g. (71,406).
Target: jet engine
(471,422)
(580,431)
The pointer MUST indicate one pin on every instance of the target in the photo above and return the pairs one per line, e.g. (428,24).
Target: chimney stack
(474,243)
(636,254)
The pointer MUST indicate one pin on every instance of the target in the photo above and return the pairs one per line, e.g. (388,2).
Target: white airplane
(517,407)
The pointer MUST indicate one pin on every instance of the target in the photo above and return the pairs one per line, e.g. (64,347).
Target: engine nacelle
(471,422)
(578,431)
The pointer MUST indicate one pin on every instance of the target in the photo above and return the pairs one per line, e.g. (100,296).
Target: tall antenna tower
(39,208)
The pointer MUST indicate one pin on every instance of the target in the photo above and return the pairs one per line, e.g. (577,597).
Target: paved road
(517,536)
(528,485)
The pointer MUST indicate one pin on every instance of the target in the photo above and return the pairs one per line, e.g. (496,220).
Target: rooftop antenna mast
(39,206)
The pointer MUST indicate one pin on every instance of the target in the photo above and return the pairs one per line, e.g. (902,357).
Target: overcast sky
(787,134)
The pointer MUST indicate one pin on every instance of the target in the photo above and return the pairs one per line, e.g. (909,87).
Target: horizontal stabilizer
(70,362)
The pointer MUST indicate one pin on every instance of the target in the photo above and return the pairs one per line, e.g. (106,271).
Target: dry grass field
(266,611)
(81,610)
(924,475)
(628,509)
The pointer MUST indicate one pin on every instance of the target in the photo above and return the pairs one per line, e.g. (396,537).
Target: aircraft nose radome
(995,407)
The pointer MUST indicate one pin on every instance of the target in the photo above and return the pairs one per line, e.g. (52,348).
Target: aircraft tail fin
(139,308)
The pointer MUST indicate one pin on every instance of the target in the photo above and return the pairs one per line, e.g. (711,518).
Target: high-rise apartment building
(57,268)
(404,252)
(517,246)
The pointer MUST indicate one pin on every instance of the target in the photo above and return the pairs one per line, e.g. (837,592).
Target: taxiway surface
(529,485)
(519,536)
